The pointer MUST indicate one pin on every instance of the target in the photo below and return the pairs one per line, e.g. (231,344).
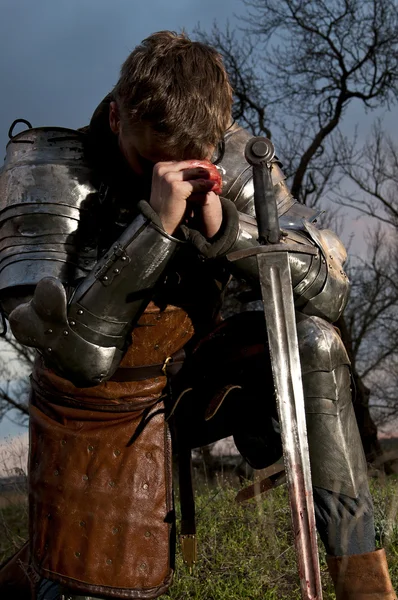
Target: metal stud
(63,442)
(105,278)
(85,477)
(147,534)
(124,258)
(116,452)
(116,271)
(115,530)
(49,349)
(66,332)
(77,554)
(112,483)
(49,331)
(72,323)
(108,561)
(149,455)
(56,472)
(90,448)
(145,486)
(80,311)
(82,523)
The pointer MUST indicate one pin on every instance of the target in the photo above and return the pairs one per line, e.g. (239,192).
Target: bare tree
(16,362)
(296,67)
(372,315)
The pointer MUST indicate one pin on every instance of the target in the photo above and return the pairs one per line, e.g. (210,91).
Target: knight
(113,261)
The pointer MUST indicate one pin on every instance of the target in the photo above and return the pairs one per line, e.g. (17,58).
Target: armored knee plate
(337,459)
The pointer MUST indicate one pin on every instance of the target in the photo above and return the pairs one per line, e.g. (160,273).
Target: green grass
(245,550)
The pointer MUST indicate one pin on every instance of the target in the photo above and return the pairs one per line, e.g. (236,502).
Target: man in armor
(115,272)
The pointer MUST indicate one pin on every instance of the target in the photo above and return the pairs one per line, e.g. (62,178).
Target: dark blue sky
(59,58)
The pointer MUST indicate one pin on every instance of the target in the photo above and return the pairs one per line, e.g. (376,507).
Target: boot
(15,581)
(361,576)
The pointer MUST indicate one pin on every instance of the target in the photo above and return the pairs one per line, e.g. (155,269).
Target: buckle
(166,362)
(189,547)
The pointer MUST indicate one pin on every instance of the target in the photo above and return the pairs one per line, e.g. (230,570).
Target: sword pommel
(259,152)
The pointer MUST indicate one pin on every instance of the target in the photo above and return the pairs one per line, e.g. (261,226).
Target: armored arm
(84,339)
(320,285)
(77,312)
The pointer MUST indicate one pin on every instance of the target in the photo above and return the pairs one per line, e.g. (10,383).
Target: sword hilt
(259,152)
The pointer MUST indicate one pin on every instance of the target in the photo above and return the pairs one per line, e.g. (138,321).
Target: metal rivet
(116,452)
(80,311)
(77,554)
(147,534)
(330,267)
(49,349)
(85,477)
(115,530)
(149,455)
(63,442)
(124,258)
(116,247)
(56,472)
(49,331)
(108,561)
(117,271)
(105,278)
(66,332)
(72,323)
(156,346)
(145,486)
(143,566)
(90,448)
(82,523)
(323,260)
(112,483)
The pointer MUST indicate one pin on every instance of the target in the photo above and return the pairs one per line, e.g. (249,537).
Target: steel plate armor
(47,212)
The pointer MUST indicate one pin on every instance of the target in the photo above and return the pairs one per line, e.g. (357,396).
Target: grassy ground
(245,551)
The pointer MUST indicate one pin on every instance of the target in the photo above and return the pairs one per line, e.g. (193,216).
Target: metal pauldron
(320,286)
(337,459)
(47,212)
(237,175)
(84,340)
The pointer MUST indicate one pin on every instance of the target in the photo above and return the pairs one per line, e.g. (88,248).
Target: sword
(277,294)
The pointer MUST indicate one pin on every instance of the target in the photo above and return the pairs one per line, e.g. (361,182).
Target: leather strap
(169,368)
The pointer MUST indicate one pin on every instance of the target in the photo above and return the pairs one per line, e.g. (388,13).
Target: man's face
(139,146)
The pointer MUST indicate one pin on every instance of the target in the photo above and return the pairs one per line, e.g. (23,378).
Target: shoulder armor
(237,174)
(331,300)
(47,209)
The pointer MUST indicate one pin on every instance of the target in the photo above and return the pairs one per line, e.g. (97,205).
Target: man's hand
(180,187)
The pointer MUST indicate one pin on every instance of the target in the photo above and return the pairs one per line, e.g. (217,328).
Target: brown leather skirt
(101,510)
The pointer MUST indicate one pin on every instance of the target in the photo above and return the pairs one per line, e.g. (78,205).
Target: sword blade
(276,289)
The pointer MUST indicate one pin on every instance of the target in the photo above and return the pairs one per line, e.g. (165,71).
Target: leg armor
(337,459)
